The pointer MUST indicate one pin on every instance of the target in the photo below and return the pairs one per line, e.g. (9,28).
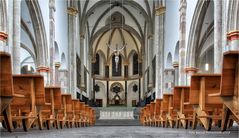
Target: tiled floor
(121,132)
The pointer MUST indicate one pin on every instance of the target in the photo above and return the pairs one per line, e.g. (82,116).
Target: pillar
(52,10)
(175,66)
(72,21)
(16,37)
(82,46)
(57,73)
(43,70)
(159,44)
(150,58)
(217,36)
(3,27)
(182,42)
(189,72)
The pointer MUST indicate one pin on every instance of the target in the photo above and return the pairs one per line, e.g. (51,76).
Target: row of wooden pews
(211,100)
(26,103)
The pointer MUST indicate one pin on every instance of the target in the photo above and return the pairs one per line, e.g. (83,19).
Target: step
(122,122)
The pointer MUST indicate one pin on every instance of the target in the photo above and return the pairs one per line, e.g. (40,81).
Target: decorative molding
(82,36)
(72,11)
(160,10)
(175,64)
(3,36)
(233,35)
(42,69)
(57,64)
(191,69)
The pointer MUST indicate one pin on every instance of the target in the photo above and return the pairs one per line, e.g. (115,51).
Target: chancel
(130,64)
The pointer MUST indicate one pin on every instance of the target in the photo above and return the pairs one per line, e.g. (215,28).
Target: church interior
(77,66)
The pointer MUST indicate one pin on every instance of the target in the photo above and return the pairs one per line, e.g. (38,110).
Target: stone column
(63,78)
(57,74)
(52,10)
(82,46)
(217,36)
(189,72)
(182,43)
(16,37)
(150,58)
(159,44)
(3,26)
(43,70)
(175,66)
(72,12)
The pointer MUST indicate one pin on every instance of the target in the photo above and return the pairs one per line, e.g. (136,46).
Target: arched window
(116,71)
(135,64)
(97,64)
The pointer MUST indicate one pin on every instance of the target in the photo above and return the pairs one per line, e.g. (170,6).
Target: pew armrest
(214,94)
(19,95)
(47,103)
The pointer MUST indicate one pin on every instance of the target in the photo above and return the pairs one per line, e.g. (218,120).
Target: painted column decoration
(52,10)
(189,72)
(159,44)
(217,36)
(182,43)
(3,40)
(16,37)
(232,41)
(72,17)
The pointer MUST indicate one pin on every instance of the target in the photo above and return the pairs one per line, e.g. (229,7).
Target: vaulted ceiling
(117,22)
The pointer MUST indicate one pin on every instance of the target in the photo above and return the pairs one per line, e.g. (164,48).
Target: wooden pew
(181,105)
(229,90)
(167,110)
(152,114)
(65,115)
(203,95)
(6,89)
(142,115)
(76,112)
(157,112)
(48,114)
(83,114)
(147,114)
(164,109)
(29,97)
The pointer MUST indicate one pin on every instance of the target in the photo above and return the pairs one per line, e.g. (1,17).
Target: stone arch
(40,32)
(169,62)
(194,34)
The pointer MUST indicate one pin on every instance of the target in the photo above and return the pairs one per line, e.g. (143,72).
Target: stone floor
(121,132)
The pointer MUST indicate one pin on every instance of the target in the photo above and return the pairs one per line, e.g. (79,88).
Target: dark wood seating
(48,114)
(206,104)
(29,97)
(76,110)
(229,91)
(6,89)
(181,105)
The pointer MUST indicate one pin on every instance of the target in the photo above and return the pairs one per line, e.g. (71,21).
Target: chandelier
(117,49)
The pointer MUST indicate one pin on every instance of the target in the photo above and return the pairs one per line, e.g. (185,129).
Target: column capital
(72,11)
(42,69)
(3,36)
(191,69)
(57,64)
(175,64)
(160,10)
(233,35)
(82,36)
(150,36)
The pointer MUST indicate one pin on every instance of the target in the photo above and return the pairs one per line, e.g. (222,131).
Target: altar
(117,113)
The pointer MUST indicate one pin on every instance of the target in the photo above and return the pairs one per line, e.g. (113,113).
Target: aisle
(121,132)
